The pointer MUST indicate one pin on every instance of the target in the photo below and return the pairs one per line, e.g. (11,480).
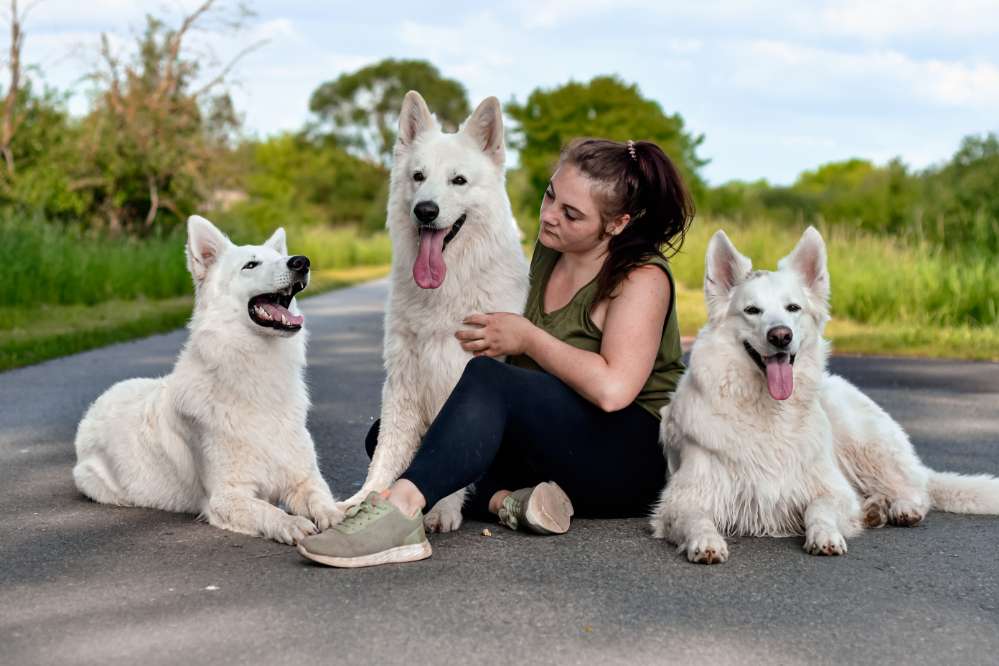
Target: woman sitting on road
(572,419)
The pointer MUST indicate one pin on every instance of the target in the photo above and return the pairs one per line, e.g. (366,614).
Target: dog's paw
(442,519)
(903,513)
(875,512)
(326,515)
(353,500)
(822,540)
(292,529)
(706,549)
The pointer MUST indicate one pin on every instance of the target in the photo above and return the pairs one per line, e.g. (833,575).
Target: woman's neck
(586,263)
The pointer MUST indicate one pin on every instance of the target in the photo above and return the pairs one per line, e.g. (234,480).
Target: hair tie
(631,150)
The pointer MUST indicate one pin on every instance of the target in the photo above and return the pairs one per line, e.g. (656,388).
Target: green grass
(875,280)
(45,264)
(48,331)
(886,339)
(64,292)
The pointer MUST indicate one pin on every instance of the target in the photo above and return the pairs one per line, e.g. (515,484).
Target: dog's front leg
(827,518)
(680,519)
(312,498)
(238,510)
(398,438)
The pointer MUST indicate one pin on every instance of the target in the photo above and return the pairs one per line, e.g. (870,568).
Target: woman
(569,426)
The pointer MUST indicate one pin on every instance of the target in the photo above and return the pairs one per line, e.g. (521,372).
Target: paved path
(82,583)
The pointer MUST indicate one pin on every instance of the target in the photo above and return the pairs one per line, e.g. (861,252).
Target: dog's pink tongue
(429,268)
(275,312)
(780,377)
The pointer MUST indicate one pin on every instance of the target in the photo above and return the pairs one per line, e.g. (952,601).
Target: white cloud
(806,73)
(887,19)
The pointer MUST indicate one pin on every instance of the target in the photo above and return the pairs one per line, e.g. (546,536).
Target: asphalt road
(82,583)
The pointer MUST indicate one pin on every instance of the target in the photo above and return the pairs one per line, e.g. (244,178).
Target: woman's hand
(495,334)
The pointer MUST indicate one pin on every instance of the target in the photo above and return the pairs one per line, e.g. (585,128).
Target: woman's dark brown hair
(637,179)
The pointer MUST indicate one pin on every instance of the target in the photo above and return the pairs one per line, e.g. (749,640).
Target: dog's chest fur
(760,454)
(248,397)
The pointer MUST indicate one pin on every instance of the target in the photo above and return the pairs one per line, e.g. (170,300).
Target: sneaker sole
(549,510)
(411,553)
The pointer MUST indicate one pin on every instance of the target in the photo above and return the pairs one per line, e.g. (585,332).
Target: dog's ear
(724,268)
(485,127)
(205,244)
(278,241)
(414,118)
(808,259)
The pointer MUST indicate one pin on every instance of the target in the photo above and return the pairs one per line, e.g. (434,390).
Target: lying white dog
(455,251)
(224,434)
(762,441)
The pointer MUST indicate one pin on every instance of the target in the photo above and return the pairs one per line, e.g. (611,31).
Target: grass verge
(33,335)
(851,337)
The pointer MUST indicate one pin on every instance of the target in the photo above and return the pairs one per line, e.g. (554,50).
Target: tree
(961,198)
(361,110)
(604,107)
(153,136)
(296,178)
(12,115)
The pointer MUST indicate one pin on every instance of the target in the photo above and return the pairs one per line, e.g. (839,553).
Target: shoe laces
(509,511)
(360,514)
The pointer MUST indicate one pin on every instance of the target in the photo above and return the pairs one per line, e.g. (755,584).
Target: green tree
(604,107)
(361,109)
(961,198)
(156,131)
(297,179)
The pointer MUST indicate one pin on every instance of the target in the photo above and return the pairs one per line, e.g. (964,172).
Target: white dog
(455,251)
(224,434)
(762,441)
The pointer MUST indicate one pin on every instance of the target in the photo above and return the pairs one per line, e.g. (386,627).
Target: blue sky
(775,87)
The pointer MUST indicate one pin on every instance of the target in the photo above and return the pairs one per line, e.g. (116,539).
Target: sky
(774,87)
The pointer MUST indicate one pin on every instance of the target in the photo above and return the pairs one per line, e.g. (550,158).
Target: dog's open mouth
(429,268)
(271,310)
(777,369)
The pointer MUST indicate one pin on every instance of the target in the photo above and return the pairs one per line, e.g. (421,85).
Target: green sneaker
(544,509)
(373,532)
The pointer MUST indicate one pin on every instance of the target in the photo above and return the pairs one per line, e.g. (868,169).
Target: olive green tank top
(572,324)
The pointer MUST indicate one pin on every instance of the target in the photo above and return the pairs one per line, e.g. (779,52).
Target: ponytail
(639,180)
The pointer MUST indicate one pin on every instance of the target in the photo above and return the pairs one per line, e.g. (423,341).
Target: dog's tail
(963,493)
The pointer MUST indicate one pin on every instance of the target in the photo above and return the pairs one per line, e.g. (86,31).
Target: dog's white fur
(486,272)
(224,435)
(824,462)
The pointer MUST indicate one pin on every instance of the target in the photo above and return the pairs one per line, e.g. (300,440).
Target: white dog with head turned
(762,441)
(455,251)
(224,435)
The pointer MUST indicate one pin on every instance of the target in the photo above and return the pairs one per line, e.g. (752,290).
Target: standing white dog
(224,434)
(455,251)
(762,441)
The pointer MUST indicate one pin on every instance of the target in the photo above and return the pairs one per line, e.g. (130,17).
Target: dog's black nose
(426,211)
(779,336)
(299,264)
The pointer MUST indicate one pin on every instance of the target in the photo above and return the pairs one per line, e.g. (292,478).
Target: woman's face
(570,218)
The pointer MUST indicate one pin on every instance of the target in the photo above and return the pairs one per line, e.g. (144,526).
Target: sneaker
(544,509)
(373,532)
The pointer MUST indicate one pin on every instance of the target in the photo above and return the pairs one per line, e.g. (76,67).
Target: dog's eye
(250,265)
(419,177)
(793,307)
(752,310)
(458,180)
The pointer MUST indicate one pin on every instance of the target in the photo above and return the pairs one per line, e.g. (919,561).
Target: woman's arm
(610,379)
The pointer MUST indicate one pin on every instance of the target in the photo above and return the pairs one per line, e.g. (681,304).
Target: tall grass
(43,263)
(874,279)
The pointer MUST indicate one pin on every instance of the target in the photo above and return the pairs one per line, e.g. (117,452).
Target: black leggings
(505,428)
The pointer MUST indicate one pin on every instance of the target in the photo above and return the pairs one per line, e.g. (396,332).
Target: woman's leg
(610,464)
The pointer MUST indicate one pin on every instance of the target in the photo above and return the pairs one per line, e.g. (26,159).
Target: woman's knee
(483,366)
